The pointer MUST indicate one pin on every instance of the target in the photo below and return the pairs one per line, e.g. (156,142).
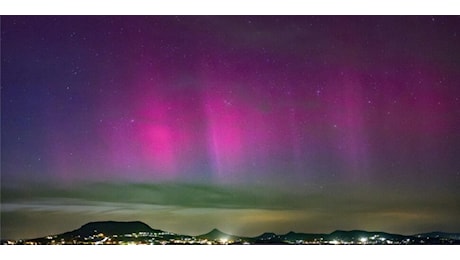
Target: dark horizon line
(239,236)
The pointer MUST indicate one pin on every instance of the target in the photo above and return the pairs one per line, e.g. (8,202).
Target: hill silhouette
(216,234)
(114,227)
(98,232)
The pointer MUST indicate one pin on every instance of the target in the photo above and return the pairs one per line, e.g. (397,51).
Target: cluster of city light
(141,238)
(373,240)
(164,238)
(157,239)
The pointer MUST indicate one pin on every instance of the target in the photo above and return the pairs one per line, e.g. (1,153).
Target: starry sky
(244,123)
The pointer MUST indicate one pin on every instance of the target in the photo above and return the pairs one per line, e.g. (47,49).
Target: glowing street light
(363,240)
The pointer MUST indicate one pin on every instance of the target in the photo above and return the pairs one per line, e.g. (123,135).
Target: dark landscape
(139,233)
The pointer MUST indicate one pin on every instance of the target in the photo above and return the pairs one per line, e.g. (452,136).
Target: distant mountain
(113,228)
(216,234)
(107,228)
(113,232)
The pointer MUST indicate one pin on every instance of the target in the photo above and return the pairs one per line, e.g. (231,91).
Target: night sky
(246,124)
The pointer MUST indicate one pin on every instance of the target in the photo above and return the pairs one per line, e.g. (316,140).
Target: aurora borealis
(244,123)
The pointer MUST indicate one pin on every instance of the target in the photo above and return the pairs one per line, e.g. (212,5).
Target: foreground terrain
(131,233)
